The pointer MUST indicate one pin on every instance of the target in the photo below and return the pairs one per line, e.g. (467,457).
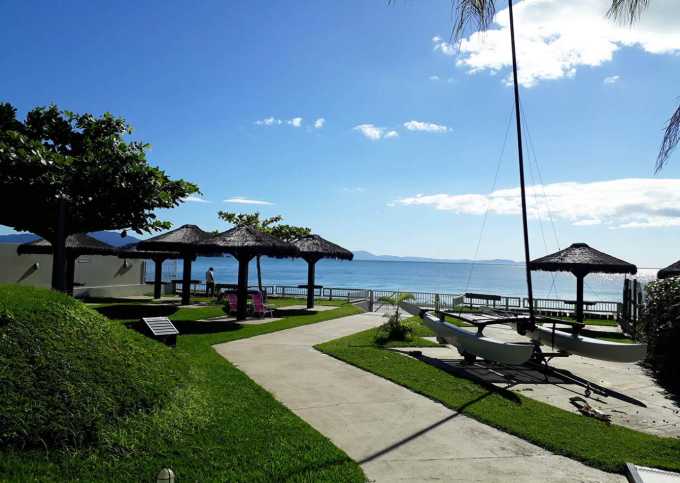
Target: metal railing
(433,299)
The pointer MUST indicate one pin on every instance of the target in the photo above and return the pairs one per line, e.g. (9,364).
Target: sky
(363,121)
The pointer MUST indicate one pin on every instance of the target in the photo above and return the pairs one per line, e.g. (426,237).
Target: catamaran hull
(588,346)
(468,342)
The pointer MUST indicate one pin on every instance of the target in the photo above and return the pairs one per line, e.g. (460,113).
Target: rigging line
(534,196)
(532,151)
(488,201)
(540,178)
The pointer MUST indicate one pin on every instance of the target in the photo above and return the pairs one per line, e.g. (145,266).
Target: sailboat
(473,344)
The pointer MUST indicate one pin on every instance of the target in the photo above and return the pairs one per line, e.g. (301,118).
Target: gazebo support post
(242,290)
(579,296)
(158,277)
(311,265)
(186,279)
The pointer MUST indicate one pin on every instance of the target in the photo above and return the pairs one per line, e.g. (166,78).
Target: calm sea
(438,277)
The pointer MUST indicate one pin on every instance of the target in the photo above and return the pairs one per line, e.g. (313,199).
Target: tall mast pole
(522,328)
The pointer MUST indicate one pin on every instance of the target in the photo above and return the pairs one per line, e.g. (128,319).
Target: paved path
(394,434)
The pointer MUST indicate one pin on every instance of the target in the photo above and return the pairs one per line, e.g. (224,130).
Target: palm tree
(478,15)
(630,11)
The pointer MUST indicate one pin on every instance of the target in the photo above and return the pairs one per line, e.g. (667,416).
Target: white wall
(101,276)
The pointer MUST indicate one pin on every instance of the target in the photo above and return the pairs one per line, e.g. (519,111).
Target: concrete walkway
(393,433)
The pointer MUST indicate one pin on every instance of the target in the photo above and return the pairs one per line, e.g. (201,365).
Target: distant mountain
(364,255)
(110,237)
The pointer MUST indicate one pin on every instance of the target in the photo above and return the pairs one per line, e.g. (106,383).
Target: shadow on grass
(284,312)
(136,311)
(188,327)
(442,365)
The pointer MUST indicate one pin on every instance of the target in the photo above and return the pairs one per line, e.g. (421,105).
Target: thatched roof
(670,271)
(246,240)
(132,251)
(580,258)
(184,238)
(313,246)
(78,244)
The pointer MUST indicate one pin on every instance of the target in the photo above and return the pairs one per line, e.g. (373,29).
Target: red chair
(232,300)
(259,308)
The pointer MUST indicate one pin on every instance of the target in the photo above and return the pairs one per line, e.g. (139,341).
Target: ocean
(439,277)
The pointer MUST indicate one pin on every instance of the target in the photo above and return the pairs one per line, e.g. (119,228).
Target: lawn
(595,443)
(220,426)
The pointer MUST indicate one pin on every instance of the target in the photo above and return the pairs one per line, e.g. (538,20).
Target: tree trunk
(259,274)
(70,274)
(59,250)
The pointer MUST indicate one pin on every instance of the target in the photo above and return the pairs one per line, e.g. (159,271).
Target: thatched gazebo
(187,241)
(313,248)
(244,243)
(76,245)
(672,270)
(131,251)
(581,260)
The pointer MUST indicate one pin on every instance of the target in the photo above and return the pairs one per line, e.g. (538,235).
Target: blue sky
(194,79)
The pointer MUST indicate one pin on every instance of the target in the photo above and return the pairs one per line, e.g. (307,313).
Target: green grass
(593,442)
(219,426)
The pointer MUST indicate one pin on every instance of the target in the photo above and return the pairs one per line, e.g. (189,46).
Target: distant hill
(364,255)
(111,237)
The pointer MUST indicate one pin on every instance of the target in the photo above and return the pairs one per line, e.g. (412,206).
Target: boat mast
(521,173)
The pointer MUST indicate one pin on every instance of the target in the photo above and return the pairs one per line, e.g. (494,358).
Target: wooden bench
(162,329)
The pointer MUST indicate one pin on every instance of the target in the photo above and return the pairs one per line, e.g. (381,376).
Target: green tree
(478,15)
(68,173)
(271,225)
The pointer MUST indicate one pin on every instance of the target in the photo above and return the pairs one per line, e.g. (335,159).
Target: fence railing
(433,299)
(567,306)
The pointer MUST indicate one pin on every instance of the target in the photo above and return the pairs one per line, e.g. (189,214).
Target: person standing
(210,282)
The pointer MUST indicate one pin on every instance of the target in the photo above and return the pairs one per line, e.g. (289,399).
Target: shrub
(395,328)
(661,329)
(66,371)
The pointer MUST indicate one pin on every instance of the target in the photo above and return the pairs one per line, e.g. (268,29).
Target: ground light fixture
(166,475)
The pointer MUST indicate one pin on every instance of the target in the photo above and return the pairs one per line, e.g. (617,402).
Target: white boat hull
(468,342)
(589,347)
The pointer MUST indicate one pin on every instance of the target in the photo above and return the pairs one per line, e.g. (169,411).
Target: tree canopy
(271,225)
(84,162)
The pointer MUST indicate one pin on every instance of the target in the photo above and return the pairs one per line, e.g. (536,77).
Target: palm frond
(670,140)
(627,11)
(474,14)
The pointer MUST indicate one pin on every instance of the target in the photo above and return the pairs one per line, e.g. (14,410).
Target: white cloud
(619,203)
(425,126)
(555,38)
(319,123)
(442,46)
(434,77)
(246,201)
(195,199)
(391,134)
(295,122)
(370,131)
(268,121)
(612,79)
